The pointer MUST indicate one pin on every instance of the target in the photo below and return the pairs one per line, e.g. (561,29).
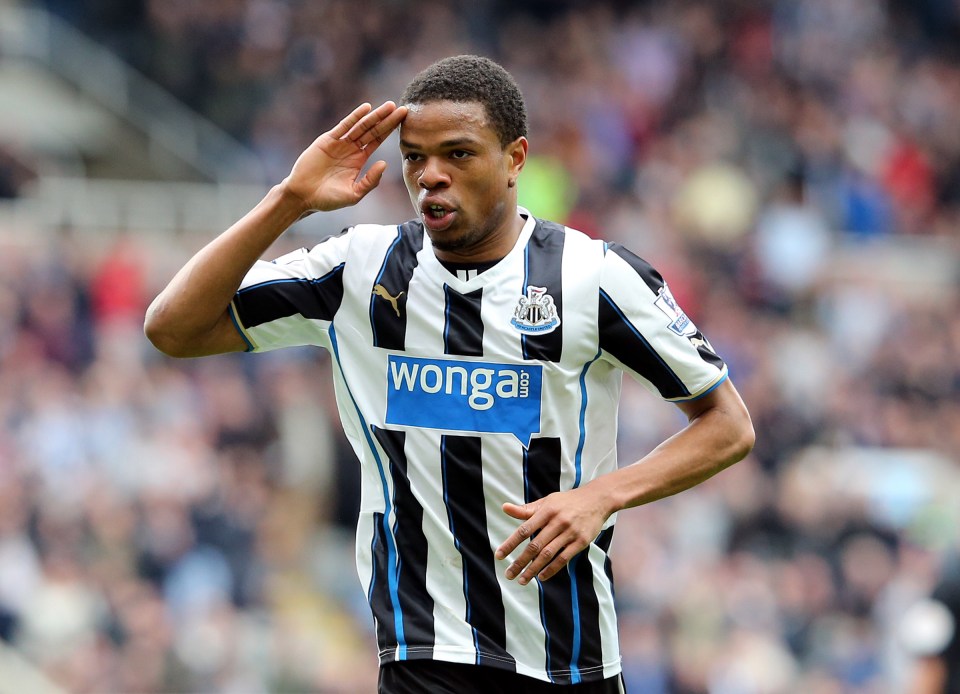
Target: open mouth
(437,217)
(436,211)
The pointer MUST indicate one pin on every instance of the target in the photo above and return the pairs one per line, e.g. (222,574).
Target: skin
(929,676)
(452,157)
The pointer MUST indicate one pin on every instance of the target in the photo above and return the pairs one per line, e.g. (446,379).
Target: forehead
(441,121)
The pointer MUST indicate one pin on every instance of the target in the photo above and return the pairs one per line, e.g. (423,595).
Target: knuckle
(523,531)
(535,546)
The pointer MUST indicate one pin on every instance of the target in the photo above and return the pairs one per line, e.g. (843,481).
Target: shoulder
(547,232)
(365,238)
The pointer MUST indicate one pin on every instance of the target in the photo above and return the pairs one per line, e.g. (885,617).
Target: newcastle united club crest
(536,314)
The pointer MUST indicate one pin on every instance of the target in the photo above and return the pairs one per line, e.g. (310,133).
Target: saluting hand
(326,176)
(558,527)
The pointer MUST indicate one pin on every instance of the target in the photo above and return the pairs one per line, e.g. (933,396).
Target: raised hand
(326,176)
(558,527)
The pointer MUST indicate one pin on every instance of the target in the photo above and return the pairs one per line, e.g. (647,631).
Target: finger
(559,561)
(343,127)
(538,543)
(382,130)
(377,125)
(522,532)
(544,559)
(371,179)
(518,511)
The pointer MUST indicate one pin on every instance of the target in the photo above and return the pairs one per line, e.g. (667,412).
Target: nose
(432,175)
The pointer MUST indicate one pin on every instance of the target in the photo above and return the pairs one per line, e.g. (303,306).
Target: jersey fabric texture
(438,677)
(460,394)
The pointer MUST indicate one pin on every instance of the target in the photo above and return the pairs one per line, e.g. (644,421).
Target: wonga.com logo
(468,396)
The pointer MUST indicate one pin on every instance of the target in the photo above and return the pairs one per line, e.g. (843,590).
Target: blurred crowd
(793,169)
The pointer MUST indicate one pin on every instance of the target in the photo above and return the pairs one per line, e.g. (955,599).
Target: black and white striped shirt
(461,393)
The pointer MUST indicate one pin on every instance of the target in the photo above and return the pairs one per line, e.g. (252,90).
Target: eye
(459,154)
(412,157)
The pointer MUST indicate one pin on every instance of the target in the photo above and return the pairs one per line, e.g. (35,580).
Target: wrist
(608,494)
(289,199)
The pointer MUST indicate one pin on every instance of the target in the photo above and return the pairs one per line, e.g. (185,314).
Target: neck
(492,247)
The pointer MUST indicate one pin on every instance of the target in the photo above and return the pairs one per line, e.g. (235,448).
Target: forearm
(196,299)
(712,440)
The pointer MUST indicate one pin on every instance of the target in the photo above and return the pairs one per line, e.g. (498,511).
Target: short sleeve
(645,332)
(292,300)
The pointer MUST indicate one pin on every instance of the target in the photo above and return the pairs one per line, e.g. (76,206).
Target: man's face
(461,179)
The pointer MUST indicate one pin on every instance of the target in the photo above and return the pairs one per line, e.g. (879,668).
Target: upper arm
(724,398)
(728,418)
(223,337)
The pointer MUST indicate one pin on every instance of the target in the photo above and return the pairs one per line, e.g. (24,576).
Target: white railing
(107,207)
(111,206)
(34,34)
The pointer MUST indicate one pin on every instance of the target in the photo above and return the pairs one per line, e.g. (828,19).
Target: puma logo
(697,342)
(380,291)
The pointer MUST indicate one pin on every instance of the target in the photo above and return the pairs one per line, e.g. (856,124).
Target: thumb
(371,179)
(518,511)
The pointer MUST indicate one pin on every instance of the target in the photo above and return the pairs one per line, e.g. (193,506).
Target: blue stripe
(708,390)
(571,567)
(236,324)
(392,568)
(383,268)
(578,459)
(373,567)
(575,603)
(642,339)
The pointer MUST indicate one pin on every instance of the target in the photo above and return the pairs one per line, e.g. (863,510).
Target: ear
(516,157)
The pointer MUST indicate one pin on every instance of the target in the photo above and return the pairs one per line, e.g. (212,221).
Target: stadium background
(792,167)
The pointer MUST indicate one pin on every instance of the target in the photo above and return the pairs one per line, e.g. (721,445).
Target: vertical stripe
(387,541)
(575,608)
(466,514)
(586,580)
(463,329)
(569,606)
(582,422)
(388,294)
(415,602)
(588,652)
(585,602)
(378,594)
(543,256)
(541,476)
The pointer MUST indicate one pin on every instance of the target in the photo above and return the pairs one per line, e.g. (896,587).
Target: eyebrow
(446,144)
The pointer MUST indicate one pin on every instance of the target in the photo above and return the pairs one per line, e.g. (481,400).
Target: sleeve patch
(679,322)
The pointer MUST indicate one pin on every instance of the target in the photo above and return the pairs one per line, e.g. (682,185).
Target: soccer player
(478,353)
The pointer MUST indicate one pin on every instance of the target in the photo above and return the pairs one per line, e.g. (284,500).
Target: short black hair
(473,78)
